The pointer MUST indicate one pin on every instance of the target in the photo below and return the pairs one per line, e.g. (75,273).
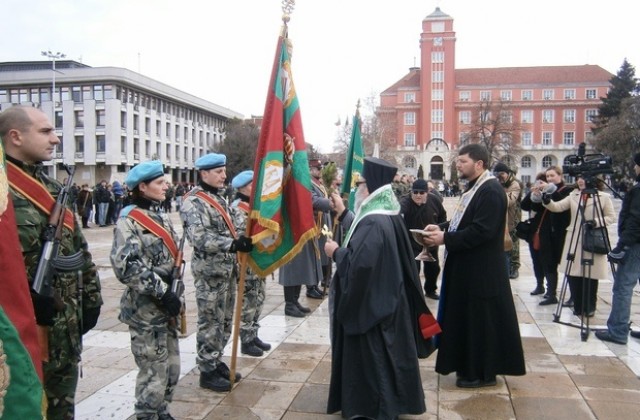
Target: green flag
(355,160)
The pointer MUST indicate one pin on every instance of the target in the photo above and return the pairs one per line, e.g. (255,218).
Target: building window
(569,94)
(465,117)
(24,96)
(485,95)
(505,95)
(437,76)
(569,115)
(123,120)
(45,95)
(108,92)
(437,56)
(547,161)
(591,94)
(100,143)
(123,144)
(547,138)
(76,94)
(158,134)
(437,115)
(4,96)
(547,94)
(527,138)
(65,95)
(526,116)
(591,115)
(98,93)
(506,116)
(136,123)
(465,96)
(86,93)
(437,95)
(464,139)
(410,139)
(547,116)
(79,119)
(79,144)
(437,134)
(409,97)
(525,162)
(409,118)
(437,27)
(147,125)
(59,119)
(568,138)
(101,118)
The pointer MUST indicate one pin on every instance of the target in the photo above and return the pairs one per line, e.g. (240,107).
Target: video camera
(587,166)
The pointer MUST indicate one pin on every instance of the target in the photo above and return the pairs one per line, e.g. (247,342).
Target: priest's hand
(435,236)
(330,247)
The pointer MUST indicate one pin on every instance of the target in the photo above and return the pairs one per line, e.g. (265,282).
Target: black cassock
(480,336)
(376,340)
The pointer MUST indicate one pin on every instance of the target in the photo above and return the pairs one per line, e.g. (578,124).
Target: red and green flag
(281,218)
(355,160)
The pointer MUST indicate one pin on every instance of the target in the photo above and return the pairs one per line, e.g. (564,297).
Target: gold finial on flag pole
(287,8)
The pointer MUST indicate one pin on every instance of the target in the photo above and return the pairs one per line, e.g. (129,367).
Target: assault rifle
(177,284)
(51,261)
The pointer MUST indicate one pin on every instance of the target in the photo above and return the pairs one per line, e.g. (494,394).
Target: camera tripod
(576,254)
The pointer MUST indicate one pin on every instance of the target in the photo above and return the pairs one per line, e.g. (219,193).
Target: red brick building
(433,109)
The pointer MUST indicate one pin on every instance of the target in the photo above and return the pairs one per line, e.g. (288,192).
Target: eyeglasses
(419,192)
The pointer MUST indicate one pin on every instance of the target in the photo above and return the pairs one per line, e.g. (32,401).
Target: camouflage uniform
(154,335)
(214,271)
(513,190)
(65,340)
(254,287)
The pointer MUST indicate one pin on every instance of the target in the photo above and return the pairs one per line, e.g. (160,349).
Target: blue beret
(144,172)
(211,161)
(242,179)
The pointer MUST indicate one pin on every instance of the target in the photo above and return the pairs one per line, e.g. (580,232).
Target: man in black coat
(380,323)
(419,209)
(480,336)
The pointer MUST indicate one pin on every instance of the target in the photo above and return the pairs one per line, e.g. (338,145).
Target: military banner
(355,160)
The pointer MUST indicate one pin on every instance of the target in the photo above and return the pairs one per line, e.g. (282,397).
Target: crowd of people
(380,324)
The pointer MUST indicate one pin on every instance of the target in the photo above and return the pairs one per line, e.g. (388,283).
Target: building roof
(437,14)
(40,65)
(513,77)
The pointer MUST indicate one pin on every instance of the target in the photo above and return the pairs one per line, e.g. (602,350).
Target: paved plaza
(567,378)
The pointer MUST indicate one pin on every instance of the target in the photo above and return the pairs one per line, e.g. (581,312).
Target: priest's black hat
(377,173)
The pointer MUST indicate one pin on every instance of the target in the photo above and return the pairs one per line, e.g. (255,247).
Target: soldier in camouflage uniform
(142,257)
(29,139)
(211,233)
(254,286)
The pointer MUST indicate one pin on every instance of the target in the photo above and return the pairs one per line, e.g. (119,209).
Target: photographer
(627,255)
(581,203)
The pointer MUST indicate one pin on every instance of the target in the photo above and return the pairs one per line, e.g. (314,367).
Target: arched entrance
(436,168)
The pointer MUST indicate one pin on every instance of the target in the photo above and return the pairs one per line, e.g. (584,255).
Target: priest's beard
(361,194)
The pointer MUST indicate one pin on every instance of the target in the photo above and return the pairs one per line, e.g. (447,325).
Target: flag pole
(287,8)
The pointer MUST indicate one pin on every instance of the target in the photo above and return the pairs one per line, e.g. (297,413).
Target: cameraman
(627,255)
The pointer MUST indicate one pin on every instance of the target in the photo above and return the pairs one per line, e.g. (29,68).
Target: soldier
(254,286)
(211,233)
(29,139)
(143,255)
(322,206)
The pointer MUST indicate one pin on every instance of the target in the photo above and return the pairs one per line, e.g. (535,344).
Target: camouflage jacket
(134,253)
(208,233)
(31,225)
(240,217)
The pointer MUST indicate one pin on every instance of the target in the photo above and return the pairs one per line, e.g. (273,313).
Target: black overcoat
(480,335)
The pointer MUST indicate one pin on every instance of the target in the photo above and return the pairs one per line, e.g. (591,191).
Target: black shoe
(223,370)
(604,335)
(634,334)
(433,295)
(264,346)
(474,383)
(568,303)
(514,274)
(166,416)
(314,293)
(551,300)
(537,291)
(251,349)
(290,309)
(546,295)
(214,381)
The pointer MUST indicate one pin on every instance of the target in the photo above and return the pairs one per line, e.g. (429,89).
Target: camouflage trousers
(253,301)
(157,356)
(514,255)
(215,296)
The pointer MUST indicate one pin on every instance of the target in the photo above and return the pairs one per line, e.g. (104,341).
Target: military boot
(291,309)
(264,346)
(296,300)
(214,381)
(251,349)
(224,370)
(291,302)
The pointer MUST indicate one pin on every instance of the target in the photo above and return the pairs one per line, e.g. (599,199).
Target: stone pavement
(567,378)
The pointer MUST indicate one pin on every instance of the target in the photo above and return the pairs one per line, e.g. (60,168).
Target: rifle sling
(34,191)
(154,227)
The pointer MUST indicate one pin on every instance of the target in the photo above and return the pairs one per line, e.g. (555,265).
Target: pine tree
(623,85)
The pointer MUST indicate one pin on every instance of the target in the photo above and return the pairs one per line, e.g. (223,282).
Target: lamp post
(53,56)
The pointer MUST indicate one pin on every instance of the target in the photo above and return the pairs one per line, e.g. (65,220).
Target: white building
(109,119)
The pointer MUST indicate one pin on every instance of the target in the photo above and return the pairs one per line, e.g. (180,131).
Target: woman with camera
(588,206)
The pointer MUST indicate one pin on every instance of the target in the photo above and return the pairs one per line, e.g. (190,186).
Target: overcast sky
(344,50)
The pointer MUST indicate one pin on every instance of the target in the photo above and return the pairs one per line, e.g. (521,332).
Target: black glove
(89,319)
(44,309)
(242,244)
(546,198)
(172,303)
(164,272)
(617,254)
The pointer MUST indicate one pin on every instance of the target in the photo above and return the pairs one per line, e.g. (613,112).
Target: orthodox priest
(380,323)
(480,336)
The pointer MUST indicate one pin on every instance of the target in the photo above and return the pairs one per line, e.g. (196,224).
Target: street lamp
(53,56)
